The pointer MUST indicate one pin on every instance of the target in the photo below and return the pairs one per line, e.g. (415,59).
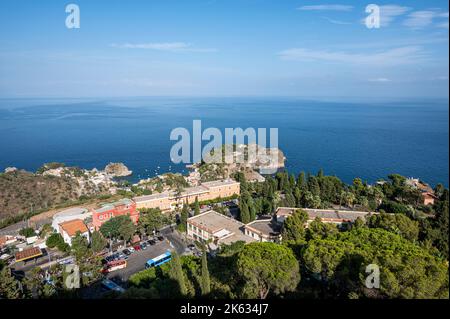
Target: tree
(267,268)
(196,207)
(177,274)
(244,213)
(294,226)
(46,230)
(98,242)
(127,228)
(183,218)
(152,219)
(301,180)
(398,223)
(56,240)
(205,280)
(435,229)
(80,246)
(118,227)
(318,229)
(27,232)
(9,286)
(407,270)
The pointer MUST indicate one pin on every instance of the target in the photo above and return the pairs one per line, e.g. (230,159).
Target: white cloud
(336,21)
(424,18)
(420,19)
(389,12)
(380,80)
(326,7)
(165,46)
(443,25)
(397,56)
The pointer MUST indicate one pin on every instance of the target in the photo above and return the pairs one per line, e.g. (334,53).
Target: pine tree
(98,242)
(9,286)
(205,280)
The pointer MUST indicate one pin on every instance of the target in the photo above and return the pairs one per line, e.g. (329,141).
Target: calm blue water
(369,140)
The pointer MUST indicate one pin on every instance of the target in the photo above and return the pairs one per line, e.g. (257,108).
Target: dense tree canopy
(406,269)
(118,227)
(267,268)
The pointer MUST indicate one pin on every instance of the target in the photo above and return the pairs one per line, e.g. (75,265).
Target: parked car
(191,246)
(160,238)
(143,246)
(122,256)
(131,249)
(137,247)
(127,252)
(151,242)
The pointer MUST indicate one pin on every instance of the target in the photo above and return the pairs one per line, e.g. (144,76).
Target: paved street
(175,238)
(49,255)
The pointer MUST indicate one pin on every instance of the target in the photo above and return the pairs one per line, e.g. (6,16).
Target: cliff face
(117,169)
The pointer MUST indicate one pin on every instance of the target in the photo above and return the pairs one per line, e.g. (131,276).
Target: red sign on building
(119,208)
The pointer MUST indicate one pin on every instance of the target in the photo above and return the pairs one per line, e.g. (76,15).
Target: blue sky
(313,49)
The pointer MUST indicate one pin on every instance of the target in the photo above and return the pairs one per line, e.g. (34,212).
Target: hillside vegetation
(24,192)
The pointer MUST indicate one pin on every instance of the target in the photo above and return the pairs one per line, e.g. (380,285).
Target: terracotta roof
(28,253)
(71,227)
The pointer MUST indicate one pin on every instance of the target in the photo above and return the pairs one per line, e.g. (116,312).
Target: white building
(70,214)
(69,229)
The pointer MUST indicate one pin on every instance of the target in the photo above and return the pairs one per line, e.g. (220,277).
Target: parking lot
(136,261)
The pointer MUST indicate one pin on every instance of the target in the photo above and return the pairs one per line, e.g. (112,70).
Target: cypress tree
(183,218)
(245,213)
(196,207)
(205,280)
(177,273)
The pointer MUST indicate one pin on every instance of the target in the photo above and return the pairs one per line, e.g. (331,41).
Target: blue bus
(157,261)
(111,285)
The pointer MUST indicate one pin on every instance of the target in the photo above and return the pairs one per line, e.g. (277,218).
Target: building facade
(217,228)
(264,230)
(70,214)
(340,218)
(206,191)
(106,212)
(70,228)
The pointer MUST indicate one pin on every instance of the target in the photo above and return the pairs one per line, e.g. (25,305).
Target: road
(49,256)
(175,238)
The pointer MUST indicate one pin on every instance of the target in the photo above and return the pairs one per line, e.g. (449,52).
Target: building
(337,217)
(70,214)
(428,198)
(70,228)
(107,211)
(264,230)
(28,253)
(7,240)
(216,227)
(169,200)
(426,191)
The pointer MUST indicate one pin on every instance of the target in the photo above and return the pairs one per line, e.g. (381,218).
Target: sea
(366,139)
